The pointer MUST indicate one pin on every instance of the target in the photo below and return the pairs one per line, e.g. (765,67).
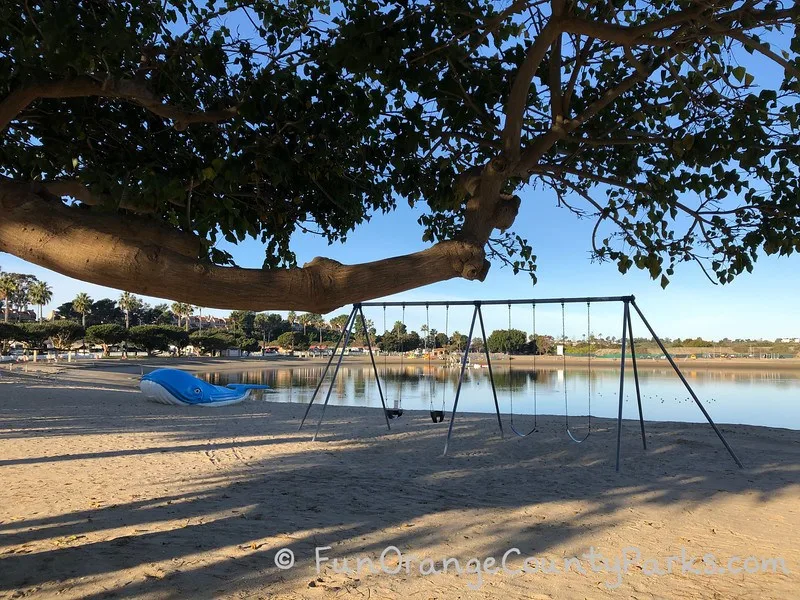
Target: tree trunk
(127,320)
(5,310)
(77,242)
(83,320)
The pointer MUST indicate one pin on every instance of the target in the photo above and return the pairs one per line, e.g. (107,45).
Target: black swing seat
(393,413)
(437,416)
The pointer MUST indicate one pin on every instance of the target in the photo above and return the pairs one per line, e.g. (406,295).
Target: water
(751,396)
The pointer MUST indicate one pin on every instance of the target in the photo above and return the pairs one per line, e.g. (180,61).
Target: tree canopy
(168,127)
(507,340)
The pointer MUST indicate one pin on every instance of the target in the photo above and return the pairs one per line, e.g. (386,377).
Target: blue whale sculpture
(171,386)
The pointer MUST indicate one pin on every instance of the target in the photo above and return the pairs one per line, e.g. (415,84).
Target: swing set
(438,415)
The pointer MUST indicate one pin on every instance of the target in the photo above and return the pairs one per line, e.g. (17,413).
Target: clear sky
(762,304)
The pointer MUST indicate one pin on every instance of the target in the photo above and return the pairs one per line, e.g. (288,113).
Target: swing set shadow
(477,315)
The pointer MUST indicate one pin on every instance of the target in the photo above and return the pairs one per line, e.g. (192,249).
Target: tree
(544,344)
(159,314)
(360,334)
(157,338)
(246,344)
(306,319)
(425,337)
(212,342)
(243,321)
(339,322)
(267,324)
(106,335)
(458,341)
(17,296)
(9,332)
(182,311)
(318,321)
(440,340)
(34,335)
(82,304)
(293,340)
(66,311)
(8,287)
(128,303)
(40,294)
(63,334)
(510,341)
(164,130)
(188,311)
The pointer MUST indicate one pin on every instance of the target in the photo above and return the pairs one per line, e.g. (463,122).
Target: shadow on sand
(360,489)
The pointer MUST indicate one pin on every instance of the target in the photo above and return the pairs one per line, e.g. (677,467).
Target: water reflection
(732,396)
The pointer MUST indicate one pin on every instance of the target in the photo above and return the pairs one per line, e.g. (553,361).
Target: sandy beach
(104,494)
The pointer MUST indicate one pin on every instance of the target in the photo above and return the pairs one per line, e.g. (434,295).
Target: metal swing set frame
(477,315)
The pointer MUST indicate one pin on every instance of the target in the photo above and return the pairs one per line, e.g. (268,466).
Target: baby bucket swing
(396,411)
(437,415)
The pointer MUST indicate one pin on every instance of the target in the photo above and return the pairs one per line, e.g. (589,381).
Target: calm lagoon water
(754,397)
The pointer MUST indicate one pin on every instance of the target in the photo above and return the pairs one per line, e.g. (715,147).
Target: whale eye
(197,391)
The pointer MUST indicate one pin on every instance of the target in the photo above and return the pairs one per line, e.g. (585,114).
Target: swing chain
(511,378)
(535,373)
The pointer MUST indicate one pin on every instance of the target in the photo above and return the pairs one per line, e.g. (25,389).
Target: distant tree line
(130,323)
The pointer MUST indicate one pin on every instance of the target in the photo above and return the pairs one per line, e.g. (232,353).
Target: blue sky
(762,304)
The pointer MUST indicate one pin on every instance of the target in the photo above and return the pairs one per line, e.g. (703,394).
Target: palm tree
(128,303)
(188,311)
(82,304)
(177,310)
(320,323)
(181,309)
(40,294)
(291,317)
(305,320)
(8,287)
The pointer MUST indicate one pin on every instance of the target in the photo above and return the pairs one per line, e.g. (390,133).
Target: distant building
(208,322)
(22,316)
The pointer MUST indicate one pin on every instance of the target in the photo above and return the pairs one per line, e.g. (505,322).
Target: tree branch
(763,49)
(20,99)
(518,98)
(102,250)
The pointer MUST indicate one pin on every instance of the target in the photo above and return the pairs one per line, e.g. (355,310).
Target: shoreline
(206,364)
(103,493)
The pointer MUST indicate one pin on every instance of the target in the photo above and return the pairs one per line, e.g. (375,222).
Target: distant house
(208,322)
(22,316)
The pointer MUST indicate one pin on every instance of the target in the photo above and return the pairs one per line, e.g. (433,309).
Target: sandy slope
(103,494)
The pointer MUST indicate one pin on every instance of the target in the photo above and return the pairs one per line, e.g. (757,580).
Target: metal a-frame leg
(374,366)
(460,380)
(688,387)
(636,379)
(491,375)
(327,366)
(335,372)
(626,313)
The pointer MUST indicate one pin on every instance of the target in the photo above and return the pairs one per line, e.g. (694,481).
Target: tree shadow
(359,490)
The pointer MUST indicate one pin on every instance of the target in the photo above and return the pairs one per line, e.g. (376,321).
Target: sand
(104,495)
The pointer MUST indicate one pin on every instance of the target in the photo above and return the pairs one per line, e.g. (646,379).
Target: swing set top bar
(503,302)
